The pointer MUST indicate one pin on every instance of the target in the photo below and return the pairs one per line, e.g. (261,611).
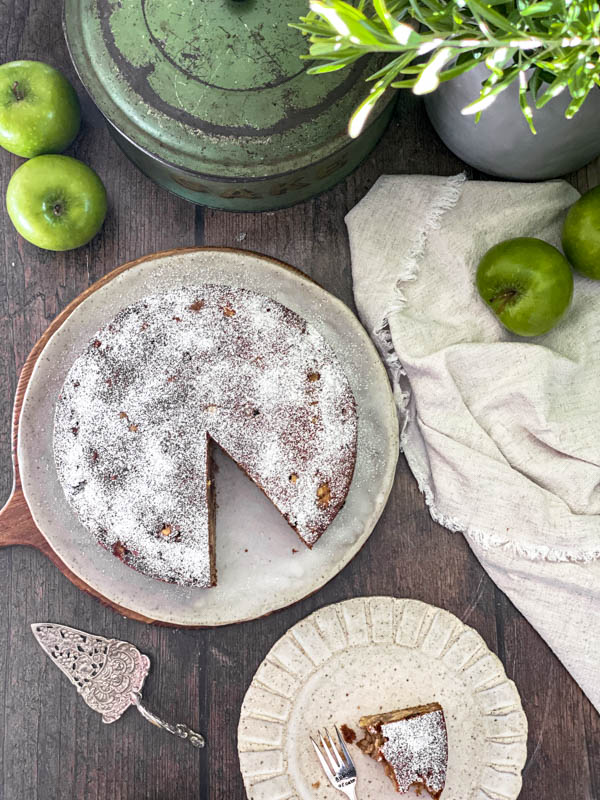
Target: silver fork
(337,763)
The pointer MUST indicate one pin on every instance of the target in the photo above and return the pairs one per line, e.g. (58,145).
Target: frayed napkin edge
(409,271)
(485,539)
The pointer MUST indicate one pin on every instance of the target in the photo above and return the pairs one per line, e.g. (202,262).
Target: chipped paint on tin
(214,88)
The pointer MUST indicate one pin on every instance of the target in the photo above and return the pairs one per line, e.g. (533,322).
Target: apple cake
(166,379)
(412,744)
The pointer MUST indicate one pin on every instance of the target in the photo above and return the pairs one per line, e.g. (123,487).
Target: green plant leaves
(548,46)
(429,77)
(362,112)
(487,12)
(348,21)
(541,9)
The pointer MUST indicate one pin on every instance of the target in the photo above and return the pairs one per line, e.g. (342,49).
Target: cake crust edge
(373,741)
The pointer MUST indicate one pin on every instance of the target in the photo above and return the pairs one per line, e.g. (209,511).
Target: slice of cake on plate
(412,745)
(166,379)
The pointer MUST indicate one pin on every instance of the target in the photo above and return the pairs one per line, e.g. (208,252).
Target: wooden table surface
(52,747)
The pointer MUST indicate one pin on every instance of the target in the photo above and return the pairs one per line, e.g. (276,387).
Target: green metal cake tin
(211,100)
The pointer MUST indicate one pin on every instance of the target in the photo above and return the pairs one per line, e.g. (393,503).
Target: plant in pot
(511,87)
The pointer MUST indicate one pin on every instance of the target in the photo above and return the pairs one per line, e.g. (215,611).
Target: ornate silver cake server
(107,673)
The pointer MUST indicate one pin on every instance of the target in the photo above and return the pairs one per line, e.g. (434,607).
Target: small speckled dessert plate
(261,564)
(373,654)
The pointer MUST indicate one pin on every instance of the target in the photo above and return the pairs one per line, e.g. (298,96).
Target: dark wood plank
(51,745)
(66,752)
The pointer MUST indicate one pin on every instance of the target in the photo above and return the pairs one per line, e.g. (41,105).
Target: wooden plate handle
(17,525)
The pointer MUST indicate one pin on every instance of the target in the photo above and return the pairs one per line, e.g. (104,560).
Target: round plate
(252,538)
(376,654)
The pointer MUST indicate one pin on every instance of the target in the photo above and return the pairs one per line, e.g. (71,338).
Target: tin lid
(212,86)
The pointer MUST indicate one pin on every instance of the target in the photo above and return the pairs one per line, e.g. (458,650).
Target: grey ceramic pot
(501,144)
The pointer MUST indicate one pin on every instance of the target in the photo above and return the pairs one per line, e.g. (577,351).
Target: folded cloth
(501,433)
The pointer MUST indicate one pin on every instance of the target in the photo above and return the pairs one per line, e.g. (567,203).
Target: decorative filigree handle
(180,730)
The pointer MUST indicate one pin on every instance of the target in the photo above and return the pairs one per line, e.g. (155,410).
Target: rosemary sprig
(547,46)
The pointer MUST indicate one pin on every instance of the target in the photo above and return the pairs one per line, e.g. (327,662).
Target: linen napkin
(501,433)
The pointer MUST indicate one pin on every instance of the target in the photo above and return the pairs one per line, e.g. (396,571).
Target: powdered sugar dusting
(417,750)
(137,409)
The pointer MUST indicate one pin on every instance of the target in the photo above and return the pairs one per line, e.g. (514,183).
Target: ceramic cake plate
(373,654)
(261,564)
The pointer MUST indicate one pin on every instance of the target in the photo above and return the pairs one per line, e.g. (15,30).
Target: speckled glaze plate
(375,654)
(261,564)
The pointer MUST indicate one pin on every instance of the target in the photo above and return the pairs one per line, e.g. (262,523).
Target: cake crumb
(348,734)
(323,495)
(316,784)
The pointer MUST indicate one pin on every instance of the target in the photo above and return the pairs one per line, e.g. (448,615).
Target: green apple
(39,110)
(56,202)
(581,234)
(527,283)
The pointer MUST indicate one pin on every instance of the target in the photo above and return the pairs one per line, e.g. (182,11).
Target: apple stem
(503,299)
(57,210)
(17,91)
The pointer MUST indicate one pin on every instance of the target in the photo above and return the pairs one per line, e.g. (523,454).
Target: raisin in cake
(412,744)
(169,376)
